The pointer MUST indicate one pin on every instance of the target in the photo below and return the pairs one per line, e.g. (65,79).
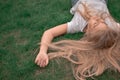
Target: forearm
(46,39)
(50,34)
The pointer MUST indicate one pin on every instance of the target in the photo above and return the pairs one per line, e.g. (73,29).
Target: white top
(78,23)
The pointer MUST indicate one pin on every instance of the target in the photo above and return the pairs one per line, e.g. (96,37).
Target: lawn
(22,23)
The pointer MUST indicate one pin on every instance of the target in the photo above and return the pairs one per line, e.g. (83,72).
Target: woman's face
(96,23)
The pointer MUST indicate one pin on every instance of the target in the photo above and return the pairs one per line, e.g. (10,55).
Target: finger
(38,63)
(43,63)
(47,61)
(36,60)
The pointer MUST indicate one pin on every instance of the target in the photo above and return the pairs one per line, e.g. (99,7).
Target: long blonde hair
(92,54)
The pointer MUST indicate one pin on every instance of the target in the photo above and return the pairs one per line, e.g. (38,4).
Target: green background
(22,23)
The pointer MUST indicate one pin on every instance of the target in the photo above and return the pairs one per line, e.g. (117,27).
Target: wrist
(43,49)
(42,52)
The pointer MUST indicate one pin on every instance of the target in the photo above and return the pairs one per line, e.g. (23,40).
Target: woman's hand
(42,59)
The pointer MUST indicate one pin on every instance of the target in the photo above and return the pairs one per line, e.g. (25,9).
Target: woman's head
(97,20)
(98,32)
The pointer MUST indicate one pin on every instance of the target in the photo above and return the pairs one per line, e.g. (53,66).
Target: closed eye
(95,24)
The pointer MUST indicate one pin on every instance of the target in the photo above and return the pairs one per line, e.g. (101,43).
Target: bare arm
(42,58)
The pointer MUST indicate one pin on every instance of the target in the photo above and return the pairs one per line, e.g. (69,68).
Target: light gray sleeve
(77,24)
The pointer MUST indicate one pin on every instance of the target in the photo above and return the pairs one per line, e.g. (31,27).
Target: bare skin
(97,23)
(42,57)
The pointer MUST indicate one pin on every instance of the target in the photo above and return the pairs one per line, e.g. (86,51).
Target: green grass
(22,23)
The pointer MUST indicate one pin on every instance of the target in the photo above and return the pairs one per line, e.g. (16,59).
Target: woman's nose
(95,21)
(101,20)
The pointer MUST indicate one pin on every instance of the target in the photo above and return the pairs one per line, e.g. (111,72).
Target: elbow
(49,33)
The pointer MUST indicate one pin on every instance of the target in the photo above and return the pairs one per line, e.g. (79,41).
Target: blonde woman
(97,51)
